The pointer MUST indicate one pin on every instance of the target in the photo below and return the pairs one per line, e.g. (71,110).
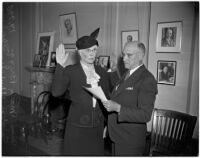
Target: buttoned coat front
(136,95)
(82,117)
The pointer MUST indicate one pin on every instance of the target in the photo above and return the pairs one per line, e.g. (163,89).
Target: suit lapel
(119,83)
(131,80)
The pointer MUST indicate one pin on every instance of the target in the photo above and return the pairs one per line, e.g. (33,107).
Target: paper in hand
(97,92)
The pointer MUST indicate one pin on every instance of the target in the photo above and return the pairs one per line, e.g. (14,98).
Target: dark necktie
(123,79)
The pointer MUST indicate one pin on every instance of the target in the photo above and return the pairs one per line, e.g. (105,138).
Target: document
(97,92)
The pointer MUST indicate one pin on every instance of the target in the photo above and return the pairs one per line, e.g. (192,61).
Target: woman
(85,123)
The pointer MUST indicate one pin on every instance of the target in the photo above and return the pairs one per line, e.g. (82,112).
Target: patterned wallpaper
(9,77)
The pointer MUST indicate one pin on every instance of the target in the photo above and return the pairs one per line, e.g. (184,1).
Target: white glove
(61,55)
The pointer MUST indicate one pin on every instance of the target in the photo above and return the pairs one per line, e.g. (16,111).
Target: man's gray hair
(137,44)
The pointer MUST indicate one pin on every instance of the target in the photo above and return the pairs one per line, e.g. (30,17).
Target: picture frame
(36,61)
(169,37)
(45,44)
(103,61)
(53,59)
(68,28)
(70,46)
(166,72)
(129,35)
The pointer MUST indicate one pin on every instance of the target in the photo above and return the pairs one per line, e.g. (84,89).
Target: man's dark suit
(84,122)
(136,95)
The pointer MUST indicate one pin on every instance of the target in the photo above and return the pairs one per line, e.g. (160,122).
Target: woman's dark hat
(86,42)
(95,33)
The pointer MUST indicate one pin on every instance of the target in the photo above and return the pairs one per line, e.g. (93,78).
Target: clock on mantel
(41,80)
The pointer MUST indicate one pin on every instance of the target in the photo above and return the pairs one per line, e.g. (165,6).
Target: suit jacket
(72,79)
(136,95)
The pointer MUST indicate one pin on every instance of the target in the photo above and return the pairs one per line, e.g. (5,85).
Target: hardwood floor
(20,150)
(36,146)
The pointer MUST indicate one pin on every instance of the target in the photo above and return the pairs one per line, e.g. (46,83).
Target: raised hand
(61,55)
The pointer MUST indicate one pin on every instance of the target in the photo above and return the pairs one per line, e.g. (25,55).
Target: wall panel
(172,97)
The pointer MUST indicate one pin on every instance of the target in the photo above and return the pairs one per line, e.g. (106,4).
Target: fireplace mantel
(40,69)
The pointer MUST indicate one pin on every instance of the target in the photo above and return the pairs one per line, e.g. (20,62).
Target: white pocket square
(129,88)
(116,87)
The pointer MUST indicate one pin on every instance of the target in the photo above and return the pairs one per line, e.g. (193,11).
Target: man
(68,26)
(165,74)
(131,104)
(85,122)
(168,40)
(129,38)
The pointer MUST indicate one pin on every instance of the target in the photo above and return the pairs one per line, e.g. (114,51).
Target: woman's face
(88,55)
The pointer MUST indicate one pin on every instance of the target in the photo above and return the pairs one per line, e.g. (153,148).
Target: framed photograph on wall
(45,43)
(169,36)
(104,61)
(68,28)
(128,36)
(36,61)
(53,59)
(166,72)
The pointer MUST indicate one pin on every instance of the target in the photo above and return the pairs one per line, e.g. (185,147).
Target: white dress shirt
(133,70)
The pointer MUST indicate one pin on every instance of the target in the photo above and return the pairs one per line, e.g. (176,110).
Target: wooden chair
(37,124)
(171,132)
(17,116)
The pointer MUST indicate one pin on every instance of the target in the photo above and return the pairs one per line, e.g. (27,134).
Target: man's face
(68,25)
(169,33)
(88,55)
(129,38)
(165,69)
(132,56)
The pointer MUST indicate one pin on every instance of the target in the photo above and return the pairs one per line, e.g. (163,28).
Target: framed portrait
(128,36)
(169,36)
(68,29)
(44,61)
(166,72)
(45,43)
(104,61)
(53,59)
(36,61)
(96,62)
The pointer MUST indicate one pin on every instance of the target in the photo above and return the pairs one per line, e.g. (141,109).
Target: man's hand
(111,106)
(61,56)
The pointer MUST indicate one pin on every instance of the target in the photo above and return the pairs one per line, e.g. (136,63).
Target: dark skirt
(83,141)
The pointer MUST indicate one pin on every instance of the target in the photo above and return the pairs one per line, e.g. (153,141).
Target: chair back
(42,103)
(171,131)
(15,105)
